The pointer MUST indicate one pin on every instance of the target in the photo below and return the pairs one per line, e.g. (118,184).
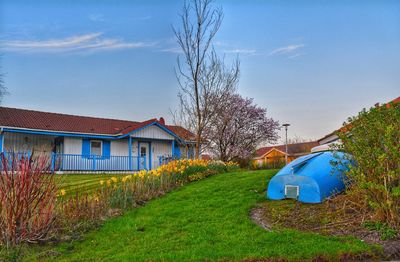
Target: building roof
(182,132)
(293,149)
(395,101)
(332,136)
(206,157)
(37,120)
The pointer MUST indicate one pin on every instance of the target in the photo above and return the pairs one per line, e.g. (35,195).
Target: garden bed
(334,217)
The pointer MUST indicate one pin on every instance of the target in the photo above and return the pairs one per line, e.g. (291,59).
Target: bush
(372,138)
(27,199)
(264,165)
(385,231)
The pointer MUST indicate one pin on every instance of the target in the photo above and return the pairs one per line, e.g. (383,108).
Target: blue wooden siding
(106,149)
(130,153)
(1,142)
(85,147)
(177,151)
(150,156)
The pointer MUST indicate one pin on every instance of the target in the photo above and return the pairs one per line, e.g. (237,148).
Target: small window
(291,191)
(143,151)
(95,147)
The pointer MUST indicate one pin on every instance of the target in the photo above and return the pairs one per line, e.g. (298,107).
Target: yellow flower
(63,192)
(114,179)
(108,182)
(101,182)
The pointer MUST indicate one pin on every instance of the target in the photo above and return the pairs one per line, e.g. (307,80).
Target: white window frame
(101,147)
(297,189)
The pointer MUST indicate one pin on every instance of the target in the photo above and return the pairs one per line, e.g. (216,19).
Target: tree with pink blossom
(238,128)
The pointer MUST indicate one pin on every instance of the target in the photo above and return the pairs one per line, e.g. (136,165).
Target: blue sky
(310,63)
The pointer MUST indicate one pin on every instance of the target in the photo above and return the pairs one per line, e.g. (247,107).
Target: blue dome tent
(310,179)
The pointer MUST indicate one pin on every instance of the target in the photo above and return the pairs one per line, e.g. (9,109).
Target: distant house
(80,143)
(325,142)
(275,155)
(206,157)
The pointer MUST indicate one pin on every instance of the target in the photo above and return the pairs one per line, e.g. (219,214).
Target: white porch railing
(76,162)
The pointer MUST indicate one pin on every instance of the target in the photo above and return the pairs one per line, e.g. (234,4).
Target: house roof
(344,128)
(293,149)
(37,120)
(182,132)
(206,157)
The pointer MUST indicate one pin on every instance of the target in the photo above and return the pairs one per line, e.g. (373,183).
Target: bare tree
(3,89)
(200,22)
(297,140)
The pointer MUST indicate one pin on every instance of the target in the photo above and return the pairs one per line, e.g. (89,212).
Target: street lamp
(286,128)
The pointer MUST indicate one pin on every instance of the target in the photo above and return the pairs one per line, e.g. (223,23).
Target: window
(95,147)
(143,151)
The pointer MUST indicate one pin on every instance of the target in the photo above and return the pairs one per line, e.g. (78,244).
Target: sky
(310,63)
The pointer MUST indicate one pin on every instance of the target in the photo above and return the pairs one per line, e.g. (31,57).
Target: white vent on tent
(291,191)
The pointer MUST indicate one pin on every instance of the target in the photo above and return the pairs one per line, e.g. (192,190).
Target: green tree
(373,140)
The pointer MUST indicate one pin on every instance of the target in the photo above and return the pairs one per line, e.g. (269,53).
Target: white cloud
(240,51)
(174,50)
(286,49)
(96,17)
(87,42)
(219,46)
(296,55)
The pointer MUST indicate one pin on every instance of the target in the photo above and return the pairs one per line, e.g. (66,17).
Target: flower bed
(120,193)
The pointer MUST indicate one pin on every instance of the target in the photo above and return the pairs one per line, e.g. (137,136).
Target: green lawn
(81,183)
(203,221)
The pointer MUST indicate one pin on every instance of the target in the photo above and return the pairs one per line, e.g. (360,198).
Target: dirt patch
(257,215)
(334,217)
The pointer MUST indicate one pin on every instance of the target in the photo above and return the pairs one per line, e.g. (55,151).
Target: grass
(81,183)
(203,221)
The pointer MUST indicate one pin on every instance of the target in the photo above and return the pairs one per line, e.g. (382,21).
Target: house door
(144,156)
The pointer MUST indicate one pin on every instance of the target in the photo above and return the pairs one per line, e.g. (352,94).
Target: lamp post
(286,151)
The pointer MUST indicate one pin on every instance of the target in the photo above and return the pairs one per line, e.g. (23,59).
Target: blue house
(79,143)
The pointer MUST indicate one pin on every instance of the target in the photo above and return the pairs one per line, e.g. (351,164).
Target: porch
(89,163)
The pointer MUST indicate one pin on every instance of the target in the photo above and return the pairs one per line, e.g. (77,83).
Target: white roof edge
(325,147)
(56,131)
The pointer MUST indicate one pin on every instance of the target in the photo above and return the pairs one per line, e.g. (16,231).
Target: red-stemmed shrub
(28,193)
